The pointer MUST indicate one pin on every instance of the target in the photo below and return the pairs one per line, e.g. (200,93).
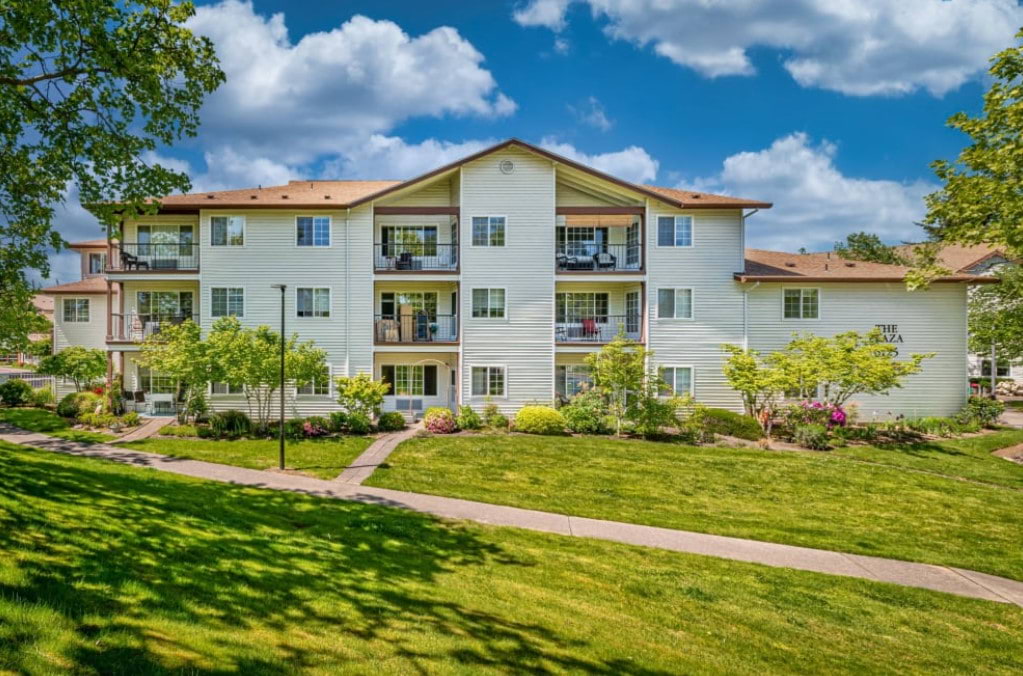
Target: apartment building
(491,279)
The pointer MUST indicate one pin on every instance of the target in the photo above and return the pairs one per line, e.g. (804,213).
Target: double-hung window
(226,388)
(410,380)
(319,387)
(313,302)
(97,261)
(488,303)
(312,231)
(569,380)
(488,381)
(677,379)
(675,303)
(577,306)
(76,310)
(226,301)
(675,231)
(488,230)
(801,304)
(227,231)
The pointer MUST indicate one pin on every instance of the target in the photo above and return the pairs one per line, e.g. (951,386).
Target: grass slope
(111,569)
(48,422)
(321,458)
(826,500)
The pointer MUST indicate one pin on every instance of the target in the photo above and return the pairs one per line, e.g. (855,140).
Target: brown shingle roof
(89,244)
(705,200)
(779,266)
(87,285)
(960,257)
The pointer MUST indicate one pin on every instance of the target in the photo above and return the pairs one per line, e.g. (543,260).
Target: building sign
(890,334)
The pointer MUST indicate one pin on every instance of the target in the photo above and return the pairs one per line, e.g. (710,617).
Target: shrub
(203,431)
(391,421)
(691,422)
(294,428)
(732,424)
(231,424)
(585,414)
(361,394)
(468,419)
(651,415)
(78,403)
(337,422)
(180,430)
(439,420)
(315,426)
(130,419)
(498,422)
(42,396)
(539,420)
(868,433)
(359,423)
(981,409)
(813,436)
(491,414)
(100,420)
(15,393)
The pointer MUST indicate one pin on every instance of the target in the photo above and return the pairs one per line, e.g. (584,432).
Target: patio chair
(590,329)
(604,261)
(405,261)
(132,262)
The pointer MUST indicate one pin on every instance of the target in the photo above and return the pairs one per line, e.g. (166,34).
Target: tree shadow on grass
(156,575)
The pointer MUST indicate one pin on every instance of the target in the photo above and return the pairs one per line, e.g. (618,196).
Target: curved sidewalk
(938,578)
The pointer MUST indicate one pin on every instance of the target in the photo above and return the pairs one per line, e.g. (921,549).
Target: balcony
(415,257)
(134,328)
(415,329)
(154,257)
(598,258)
(600,329)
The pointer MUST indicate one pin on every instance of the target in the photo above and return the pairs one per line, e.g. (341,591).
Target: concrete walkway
(374,456)
(144,431)
(938,578)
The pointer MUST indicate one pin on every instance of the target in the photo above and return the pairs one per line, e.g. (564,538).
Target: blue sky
(831,112)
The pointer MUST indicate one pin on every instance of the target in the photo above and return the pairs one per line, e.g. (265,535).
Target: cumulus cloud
(390,157)
(632,164)
(295,101)
(815,204)
(592,113)
(870,47)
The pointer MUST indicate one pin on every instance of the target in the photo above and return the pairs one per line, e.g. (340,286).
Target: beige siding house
(489,280)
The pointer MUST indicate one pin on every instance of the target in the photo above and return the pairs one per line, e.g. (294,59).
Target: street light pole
(282,287)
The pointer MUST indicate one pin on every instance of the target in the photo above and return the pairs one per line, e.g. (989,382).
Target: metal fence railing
(597,329)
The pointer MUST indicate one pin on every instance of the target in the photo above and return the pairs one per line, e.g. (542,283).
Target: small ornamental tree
(760,384)
(996,316)
(179,352)
(360,394)
(619,374)
(82,365)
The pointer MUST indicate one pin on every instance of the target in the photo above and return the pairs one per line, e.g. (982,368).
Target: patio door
(164,306)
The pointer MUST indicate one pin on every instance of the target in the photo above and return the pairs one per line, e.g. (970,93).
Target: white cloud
(815,204)
(864,48)
(297,101)
(561,45)
(389,157)
(632,164)
(592,112)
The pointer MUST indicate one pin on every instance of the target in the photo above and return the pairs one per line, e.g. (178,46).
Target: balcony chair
(590,329)
(604,261)
(404,261)
(132,262)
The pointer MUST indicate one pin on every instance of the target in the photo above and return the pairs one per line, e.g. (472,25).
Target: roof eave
(972,279)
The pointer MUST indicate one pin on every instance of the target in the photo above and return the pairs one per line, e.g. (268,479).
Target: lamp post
(282,287)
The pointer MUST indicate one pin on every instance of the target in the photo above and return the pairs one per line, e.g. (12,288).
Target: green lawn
(826,500)
(322,458)
(107,568)
(48,422)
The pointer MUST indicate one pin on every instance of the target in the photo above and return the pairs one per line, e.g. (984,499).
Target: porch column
(110,309)
(110,369)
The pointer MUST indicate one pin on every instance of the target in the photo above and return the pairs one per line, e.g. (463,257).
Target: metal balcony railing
(415,328)
(598,329)
(598,257)
(155,256)
(415,256)
(136,327)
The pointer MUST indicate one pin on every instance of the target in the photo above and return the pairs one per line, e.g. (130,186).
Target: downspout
(348,293)
(745,314)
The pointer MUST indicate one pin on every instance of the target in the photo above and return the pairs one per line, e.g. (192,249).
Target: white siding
(91,334)
(573,197)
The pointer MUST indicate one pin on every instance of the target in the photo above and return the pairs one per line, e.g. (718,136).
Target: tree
(760,384)
(981,200)
(996,316)
(361,395)
(82,365)
(865,246)
(619,373)
(178,351)
(17,324)
(87,89)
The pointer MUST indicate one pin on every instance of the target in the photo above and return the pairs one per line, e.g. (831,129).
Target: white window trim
(245,231)
(313,395)
(820,304)
(63,316)
(102,262)
(330,232)
(503,367)
(488,319)
(330,303)
(657,234)
(245,294)
(210,393)
(692,377)
(488,246)
(676,289)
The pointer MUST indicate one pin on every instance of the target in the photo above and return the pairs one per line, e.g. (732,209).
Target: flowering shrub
(815,413)
(439,420)
(315,426)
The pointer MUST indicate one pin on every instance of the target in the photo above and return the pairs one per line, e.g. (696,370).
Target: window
(581,241)
(154,382)
(488,303)
(313,302)
(409,380)
(319,387)
(632,312)
(801,304)
(313,231)
(158,306)
(675,303)
(226,388)
(674,231)
(391,303)
(488,230)
(569,380)
(488,381)
(227,231)
(417,240)
(1003,369)
(76,310)
(97,262)
(227,301)
(574,307)
(677,379)
(165,241)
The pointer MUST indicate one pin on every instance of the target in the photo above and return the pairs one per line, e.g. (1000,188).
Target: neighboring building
(43,304)
(491,278)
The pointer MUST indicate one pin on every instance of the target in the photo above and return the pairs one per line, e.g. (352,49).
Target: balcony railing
(598,257)
(136,327)
(415,256)
(155,256)
(415,328)
(601,329)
